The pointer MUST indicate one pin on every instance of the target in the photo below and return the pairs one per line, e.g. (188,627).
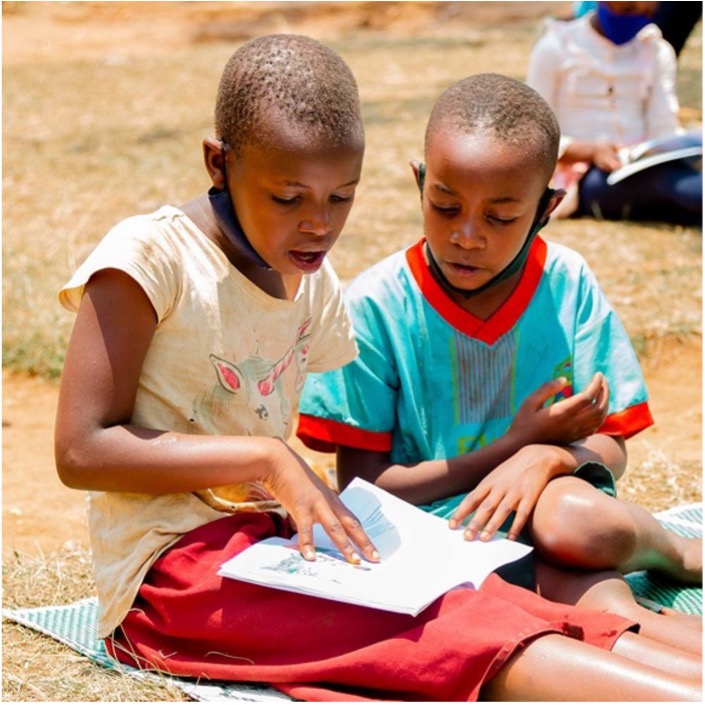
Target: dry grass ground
(104,108)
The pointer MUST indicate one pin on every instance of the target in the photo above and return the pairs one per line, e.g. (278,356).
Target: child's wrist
(517,438)
(562,461)
(274,451)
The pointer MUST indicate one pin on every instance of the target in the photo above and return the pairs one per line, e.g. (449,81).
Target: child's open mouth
(307,261)
(464,269)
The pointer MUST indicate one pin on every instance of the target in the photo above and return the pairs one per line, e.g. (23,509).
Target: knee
(578,525)
(562,521)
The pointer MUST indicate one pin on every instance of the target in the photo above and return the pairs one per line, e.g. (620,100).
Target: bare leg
(608,591)
(575,524)
(556,668)
(695,621)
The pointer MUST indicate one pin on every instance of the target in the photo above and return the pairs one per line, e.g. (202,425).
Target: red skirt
(188,621)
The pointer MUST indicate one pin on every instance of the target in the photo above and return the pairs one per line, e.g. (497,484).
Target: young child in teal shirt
(494,378)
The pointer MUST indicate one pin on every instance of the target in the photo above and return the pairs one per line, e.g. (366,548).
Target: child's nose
(466,236)
(318,222)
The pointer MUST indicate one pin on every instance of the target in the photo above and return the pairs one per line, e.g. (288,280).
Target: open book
(422,558)
(657,151)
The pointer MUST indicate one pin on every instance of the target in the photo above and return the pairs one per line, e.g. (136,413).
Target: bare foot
(690,566)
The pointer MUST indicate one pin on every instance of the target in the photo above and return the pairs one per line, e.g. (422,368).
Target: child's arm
(510,473)
(604,155)
(515,485)
(564,422)
(97,448)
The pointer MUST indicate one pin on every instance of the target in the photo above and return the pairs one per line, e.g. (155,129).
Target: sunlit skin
(292,197)
(478,208)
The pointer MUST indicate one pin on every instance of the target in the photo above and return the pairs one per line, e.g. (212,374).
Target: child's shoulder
(389,272)
(567,264)
(143,224)
(146,246)
(557,253)
(163,235)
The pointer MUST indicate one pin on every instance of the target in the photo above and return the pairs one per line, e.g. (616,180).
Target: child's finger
(359,536)
(547,390)
(480,517)
(340,540)
(584,400)
(306,546)
(603,399)
(493,524)
(341,528)
(464,509)
(521,516)
(594,387)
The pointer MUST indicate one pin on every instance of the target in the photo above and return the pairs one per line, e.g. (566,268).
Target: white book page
(421,558)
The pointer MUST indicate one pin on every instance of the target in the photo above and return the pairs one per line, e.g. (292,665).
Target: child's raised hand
(566,421)
(309,501)
(606,156)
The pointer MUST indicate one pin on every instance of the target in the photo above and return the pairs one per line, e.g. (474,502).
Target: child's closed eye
(293,200)
(337,198)
(497,220)
(445,210)
(285,200)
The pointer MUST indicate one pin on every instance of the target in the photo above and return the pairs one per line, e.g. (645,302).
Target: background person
(610,78)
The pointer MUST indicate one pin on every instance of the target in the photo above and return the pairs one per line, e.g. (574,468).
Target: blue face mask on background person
(618,28)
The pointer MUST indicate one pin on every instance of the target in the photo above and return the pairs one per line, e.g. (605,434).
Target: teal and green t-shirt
(432,381)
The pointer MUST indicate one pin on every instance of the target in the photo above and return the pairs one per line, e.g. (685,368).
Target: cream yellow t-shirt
(226,358)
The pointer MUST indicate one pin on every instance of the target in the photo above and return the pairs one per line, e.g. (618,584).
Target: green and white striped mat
(76,626)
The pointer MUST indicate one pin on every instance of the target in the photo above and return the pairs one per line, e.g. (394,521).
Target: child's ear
(213,157)
(419,169)
(557,195)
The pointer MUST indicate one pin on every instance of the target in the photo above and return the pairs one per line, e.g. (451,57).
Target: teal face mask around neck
(512,268)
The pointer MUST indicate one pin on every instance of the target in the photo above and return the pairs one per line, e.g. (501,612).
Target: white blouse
(602,91)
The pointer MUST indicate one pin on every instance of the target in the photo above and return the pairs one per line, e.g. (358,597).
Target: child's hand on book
(513,486)
(540,430)
(606,156)
(308,501)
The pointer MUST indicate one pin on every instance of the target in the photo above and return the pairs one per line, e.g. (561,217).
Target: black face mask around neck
(224,212)
(225,215)
(512,268)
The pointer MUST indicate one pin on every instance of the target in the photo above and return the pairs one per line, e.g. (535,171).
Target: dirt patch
(38,513)
(71,30)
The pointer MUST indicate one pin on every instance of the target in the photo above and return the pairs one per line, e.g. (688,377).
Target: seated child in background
(610,78)
(492,364)
(195,328)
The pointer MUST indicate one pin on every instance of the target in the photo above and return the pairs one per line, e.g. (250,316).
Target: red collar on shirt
(500,321)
